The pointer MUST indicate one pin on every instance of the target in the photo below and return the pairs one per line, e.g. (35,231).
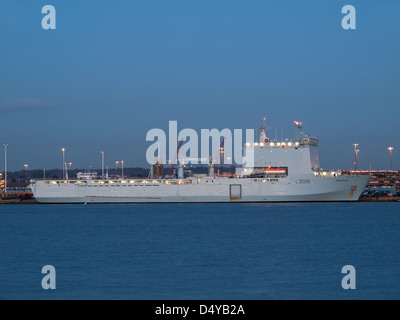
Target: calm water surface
(200,251)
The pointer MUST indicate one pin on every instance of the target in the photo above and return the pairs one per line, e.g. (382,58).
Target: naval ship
(281,171)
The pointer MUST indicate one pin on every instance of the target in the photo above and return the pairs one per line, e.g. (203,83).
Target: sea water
(200,251)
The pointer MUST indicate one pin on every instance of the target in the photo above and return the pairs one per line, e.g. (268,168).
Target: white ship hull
(273,171)
(207,190)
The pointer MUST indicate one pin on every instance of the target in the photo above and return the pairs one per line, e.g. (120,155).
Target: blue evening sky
(112,70)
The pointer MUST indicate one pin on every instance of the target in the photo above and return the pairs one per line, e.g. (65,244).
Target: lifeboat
(275,171)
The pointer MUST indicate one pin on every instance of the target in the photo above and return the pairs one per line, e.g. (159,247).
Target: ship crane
(172,168)
(221,150)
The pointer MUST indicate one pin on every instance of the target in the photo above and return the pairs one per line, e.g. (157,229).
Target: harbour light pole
(26,168)
(116,168)
(102,164)
(63,163)
(356,155)
(390,150)
(122,163)
(5,167)
(70,167)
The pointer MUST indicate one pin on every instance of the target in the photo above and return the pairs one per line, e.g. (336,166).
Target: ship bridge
(298,156)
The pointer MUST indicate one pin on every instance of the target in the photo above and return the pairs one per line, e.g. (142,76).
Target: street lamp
(70,167)
(26,168)
(356,155)
(5,167)
(390,150)
(102,164)
(116,168)
(122,163)
(63,152)
(66,170)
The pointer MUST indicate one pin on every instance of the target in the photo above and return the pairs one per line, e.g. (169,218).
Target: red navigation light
(265,118)
(267,140)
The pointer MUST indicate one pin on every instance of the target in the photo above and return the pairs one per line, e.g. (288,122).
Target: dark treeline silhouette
(23,176)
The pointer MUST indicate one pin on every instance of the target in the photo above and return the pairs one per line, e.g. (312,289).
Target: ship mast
(299,128)
(263,132)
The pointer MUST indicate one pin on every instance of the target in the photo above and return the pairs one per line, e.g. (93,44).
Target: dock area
(379,199)
(18,201)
